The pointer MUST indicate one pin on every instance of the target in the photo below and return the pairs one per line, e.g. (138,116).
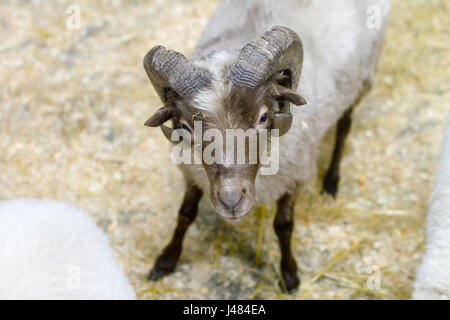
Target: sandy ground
(72,107)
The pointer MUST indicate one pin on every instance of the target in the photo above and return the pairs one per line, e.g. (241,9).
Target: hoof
(165,264)
(290,283)
(155,274)
(330,185)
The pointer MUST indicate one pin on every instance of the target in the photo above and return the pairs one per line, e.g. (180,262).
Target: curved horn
(277,50)
(168,69)
(167,133)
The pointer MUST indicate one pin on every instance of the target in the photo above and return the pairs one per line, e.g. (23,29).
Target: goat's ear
(286,94)
(162,115)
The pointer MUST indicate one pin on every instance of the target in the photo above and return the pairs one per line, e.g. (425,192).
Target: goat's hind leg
(284,225)
(331,179)
(167,260)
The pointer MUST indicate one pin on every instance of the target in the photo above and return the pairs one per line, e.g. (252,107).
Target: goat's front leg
(167,260)
(284,225)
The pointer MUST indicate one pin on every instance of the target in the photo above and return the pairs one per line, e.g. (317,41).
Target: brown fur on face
(242,106)
(240,109)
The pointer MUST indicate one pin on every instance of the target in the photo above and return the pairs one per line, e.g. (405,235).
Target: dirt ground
(72,107)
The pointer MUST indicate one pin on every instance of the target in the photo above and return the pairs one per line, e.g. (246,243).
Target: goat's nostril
(231,199)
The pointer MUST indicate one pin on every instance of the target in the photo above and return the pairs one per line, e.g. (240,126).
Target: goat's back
(341,44)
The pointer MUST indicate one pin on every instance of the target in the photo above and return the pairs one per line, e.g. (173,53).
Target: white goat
(243,76)
(433,275)
(50,250)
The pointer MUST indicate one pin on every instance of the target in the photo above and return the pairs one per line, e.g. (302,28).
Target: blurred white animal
(50,250)
(433,275)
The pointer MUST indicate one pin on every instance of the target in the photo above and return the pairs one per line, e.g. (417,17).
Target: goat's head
(250,94)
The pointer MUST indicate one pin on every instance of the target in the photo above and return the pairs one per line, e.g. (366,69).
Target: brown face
(245,112)
(233,164)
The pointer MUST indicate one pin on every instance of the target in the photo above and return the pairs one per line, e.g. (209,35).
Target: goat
(433,275)
(236,82)
(50,250)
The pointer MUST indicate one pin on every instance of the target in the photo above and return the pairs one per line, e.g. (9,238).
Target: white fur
(50,250)
(211,99)
(340,54)
(433,275)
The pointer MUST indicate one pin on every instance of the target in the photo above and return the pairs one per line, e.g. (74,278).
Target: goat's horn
(169,69)
(277,50)
(167,133)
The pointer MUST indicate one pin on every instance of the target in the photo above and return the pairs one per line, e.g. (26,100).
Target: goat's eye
(186,128)
(263,118)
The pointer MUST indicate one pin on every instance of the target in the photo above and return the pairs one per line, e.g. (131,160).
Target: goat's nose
(231,198)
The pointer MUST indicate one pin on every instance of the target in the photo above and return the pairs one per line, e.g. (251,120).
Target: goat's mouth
(233,215)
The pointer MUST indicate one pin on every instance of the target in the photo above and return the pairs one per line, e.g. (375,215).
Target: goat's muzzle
(233,198)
